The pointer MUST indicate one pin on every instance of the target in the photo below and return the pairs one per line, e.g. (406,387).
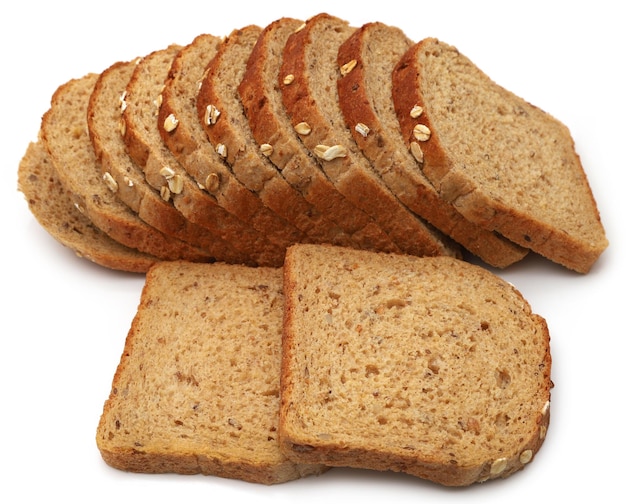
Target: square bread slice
(197,386)
(430,366)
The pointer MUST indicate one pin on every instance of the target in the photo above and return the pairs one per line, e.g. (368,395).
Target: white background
(64,320)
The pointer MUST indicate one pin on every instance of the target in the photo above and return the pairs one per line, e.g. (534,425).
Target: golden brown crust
(398,168)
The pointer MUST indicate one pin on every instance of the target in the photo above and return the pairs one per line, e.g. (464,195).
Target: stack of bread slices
(232,149)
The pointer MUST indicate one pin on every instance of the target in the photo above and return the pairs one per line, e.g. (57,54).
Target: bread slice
(366,102)
(103,120)
(503,163)
(308,80)
(164,172)
(197,386)
(271,129)
(430,366)
(51,204)
(65,136)
(189,144)
(230,134)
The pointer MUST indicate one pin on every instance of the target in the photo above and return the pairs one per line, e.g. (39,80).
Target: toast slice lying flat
(430,366)
(51,204)
(197,386)
(366,101)
(503,163)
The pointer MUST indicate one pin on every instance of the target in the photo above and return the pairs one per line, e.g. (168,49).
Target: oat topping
(170,123)
(416,111)
(128,181)
(328,153)
(526,456)
(165,193)
(303,128)
(267,149)
(175,184)
(498,466)
(362,129)
(123,103)
(211,115)
(346,68)
(416,150)
(122,126)
(167,172)
(288,79)
(221,149)
(212,182)
(421,132)
(110,182)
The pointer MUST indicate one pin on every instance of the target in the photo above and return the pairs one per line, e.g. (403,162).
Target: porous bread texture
(430,366)
(365,98)
(127,180)
(231,131)
(163,171)
(502,162)
(65,135)
(308,80)
(271,129)
(51,204)
(197,386)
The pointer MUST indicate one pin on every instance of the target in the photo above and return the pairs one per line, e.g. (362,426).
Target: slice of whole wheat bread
(366,101)
(229,219)
(426,365)
(51,204)
(270,127)
(197,386)
(502,162)
(308,80)
(231,132)
(65,135)
(103,120)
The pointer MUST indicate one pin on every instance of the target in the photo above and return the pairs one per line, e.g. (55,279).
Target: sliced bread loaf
(271,129)
(365,98)
(308,80)
(430,366)
(127,179)
(65,135)
(503,163)
(197,386)
(229,133)
(164,172)
(51,204)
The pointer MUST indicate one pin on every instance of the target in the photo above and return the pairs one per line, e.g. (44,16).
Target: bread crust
(492,211)
(398,168)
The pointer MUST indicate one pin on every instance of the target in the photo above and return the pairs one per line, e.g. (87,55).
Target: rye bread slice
(308,80)
(366,101)
(270,127)
(65,135)
(122,173)
(503,163)
(51,204)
